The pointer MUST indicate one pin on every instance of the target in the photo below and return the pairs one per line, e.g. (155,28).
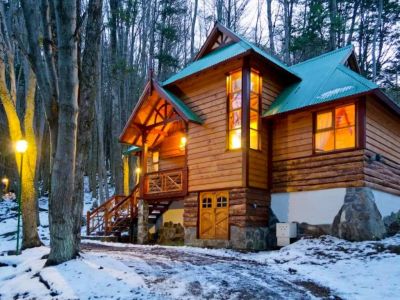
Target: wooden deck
(165,184)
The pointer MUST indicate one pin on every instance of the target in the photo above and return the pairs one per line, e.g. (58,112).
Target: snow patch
(335,92)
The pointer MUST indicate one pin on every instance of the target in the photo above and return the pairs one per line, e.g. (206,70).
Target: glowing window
(335,129)
(234,88)
(255,96)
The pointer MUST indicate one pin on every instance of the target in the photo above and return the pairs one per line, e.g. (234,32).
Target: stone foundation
(249,238)
(171,234)
(143,222)
(242,238)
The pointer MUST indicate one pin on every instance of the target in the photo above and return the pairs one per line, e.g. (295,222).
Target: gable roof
(149,108)
(324,78)
(185,112)
(238,47)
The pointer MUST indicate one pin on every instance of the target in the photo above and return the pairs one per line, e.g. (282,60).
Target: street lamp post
(20,147)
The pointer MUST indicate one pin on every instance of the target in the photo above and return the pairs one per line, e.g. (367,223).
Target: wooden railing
(163,183)
(113,215)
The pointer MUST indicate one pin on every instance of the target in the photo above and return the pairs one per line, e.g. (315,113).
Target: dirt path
(177,274)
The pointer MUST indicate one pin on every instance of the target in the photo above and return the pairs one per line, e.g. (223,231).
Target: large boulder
(392,223)
(359,219)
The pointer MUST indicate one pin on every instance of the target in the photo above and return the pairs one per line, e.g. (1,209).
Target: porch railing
(166,182)
(112,215)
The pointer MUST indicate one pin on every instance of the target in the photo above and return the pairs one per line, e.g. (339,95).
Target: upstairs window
(255,96)
(335,129)
(234,88)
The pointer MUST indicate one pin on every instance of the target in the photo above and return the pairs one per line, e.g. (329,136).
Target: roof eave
(313,106)
(386,99)
(247,52)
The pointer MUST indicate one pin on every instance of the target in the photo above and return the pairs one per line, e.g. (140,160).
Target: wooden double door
(214,215)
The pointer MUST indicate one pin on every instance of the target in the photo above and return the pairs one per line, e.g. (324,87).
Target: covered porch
(156,133)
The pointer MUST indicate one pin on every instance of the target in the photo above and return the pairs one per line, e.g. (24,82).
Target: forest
(71,72)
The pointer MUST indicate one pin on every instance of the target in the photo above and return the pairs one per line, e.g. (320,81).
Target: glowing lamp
(138,170)
(21,146)
(183,142)
(5,180)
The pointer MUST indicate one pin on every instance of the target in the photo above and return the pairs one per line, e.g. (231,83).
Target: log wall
(258,159)
(295,168)
(382,172)
(211,165)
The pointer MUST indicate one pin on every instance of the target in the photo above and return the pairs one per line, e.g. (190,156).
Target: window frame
(332,110)
(246,127)
(229,111)
(259,123)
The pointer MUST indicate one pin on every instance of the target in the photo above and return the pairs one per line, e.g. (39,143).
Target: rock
(359,219)
(314,231)
(171,234)
(392,223)
(271,236)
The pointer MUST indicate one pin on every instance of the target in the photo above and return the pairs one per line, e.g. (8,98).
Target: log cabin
(237,136)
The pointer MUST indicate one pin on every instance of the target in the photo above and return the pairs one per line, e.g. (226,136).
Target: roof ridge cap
(322,55)
(356,76)
(251,44)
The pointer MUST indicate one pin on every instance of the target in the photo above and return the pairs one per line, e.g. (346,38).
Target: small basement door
(214,215)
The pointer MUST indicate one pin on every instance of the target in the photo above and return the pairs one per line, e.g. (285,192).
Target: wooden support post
(88,223)
(143,167)
(106,222)
(126,174)
(245,120)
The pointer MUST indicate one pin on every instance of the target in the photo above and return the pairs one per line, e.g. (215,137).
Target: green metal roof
(131,149)
(215,57)
(180,105)
(225,53)
(324,78)
(261,52)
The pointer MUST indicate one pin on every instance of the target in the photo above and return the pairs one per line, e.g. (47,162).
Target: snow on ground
(324,268)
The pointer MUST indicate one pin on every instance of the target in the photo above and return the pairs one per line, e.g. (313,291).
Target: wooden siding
(272,85)
(383,138)
(170,155)
(211,165)
(295,168)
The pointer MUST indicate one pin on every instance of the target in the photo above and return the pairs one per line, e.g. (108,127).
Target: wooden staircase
(117,217)
(156,209)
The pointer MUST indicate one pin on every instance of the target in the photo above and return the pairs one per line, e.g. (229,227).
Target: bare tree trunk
(88,91)
(103,186)
(375,39)
(333,24)
(353,22)
(61,203)
(29,207)
(270,27)
(287,31)
(44,69)
(116,105)
(20,128)
(192,30)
